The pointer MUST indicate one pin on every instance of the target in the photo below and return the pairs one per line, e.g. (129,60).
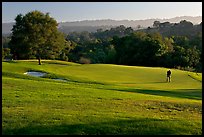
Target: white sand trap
(40,74)
(36,74)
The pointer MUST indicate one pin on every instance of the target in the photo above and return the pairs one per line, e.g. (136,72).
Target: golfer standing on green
(168,75)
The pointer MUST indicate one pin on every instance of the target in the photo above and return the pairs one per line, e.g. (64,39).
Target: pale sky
(77,11)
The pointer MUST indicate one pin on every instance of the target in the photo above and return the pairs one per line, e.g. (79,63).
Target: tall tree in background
(139,48)
(35,35)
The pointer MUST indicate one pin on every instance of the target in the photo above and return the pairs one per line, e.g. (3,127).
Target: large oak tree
(35,35)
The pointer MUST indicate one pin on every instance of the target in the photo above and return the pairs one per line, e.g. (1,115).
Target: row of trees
(183,28)
(153,50)
(35,35)
(138,48)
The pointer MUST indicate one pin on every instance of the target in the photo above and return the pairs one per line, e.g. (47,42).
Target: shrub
(84,60)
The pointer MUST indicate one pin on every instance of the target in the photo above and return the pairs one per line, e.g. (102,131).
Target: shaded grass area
(140,126)
(180,93)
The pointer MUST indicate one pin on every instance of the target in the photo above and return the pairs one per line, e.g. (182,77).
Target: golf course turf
(99,99)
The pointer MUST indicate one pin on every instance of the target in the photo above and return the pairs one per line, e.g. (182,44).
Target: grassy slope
(99,99)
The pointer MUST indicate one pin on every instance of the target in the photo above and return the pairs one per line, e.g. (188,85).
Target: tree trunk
(39,62)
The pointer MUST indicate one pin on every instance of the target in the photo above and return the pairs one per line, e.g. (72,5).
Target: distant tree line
(183,28)
(35,35)
(121,45)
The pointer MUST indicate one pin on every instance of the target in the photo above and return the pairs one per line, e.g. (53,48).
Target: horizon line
(121,19)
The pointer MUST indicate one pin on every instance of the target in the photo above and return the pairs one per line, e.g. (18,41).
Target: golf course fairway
(99,99)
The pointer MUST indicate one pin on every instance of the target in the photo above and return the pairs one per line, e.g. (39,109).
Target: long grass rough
(99,99)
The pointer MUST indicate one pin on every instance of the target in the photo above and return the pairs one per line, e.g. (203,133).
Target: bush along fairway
(99,99)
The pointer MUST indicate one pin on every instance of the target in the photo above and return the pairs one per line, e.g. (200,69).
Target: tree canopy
(35,35)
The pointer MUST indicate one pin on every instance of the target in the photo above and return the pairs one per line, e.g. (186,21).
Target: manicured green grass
(196,76)
(99,99)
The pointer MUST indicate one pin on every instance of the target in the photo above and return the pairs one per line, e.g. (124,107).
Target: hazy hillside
(93,25)
(129,23)
(181,29)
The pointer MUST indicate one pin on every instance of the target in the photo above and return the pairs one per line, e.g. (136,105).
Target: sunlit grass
(99,99)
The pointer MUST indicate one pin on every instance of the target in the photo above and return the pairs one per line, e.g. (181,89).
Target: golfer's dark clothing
(168,75)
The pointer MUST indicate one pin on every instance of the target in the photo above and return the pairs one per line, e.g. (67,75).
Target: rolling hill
(93,25)
(99,99)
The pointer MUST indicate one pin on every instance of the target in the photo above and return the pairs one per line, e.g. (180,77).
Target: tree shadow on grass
(159,82)
(56,63)
(142,126)
(10,61)
(180,93)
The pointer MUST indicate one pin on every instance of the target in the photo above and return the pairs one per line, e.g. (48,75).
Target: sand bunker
(36,74)
(40,74)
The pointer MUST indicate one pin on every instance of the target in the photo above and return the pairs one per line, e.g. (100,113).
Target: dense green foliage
(183,28)
(35,35)
(139,49)
(99,99)
(149,47)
